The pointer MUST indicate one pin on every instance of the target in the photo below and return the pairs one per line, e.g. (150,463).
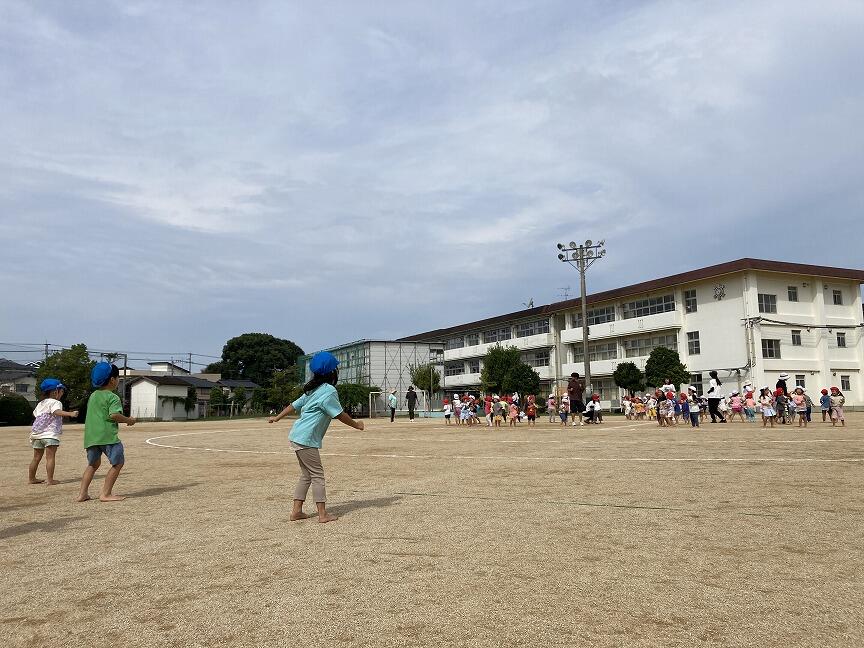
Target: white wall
(143,400)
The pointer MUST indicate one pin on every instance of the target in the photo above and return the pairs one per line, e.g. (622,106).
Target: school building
(749,319)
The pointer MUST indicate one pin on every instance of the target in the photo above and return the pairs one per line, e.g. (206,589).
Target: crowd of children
(464,409)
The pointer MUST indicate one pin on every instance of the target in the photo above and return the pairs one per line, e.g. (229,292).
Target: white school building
(749,319)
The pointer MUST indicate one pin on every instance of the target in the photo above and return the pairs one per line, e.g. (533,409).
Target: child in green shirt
(104,412)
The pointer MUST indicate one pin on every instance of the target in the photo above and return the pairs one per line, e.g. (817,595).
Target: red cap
(825,392)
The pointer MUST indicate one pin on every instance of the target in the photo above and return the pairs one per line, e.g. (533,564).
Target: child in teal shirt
(318,405)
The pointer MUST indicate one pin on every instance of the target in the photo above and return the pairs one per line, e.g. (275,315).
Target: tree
(665,363)
(281,390)
(353,395)
(239,398)
(213,368)
(523,379)
(216,396)
(498,362)
(15,410)
(503,371)
(424,376)
(71,366)
(628,376)
(256,356)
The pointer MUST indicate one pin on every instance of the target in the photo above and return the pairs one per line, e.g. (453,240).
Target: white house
(160,398)
(747,319)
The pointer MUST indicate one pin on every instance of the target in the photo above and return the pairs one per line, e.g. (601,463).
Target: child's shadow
(356,505)
(160,490)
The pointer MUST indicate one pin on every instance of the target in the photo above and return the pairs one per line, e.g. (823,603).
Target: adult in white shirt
(668,386)
(715,394)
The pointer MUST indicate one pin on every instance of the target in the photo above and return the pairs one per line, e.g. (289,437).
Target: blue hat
(323,362)
(101,374)
(50,384)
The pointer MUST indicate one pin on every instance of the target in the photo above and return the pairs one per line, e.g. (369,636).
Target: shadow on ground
(45,527)
(160,490)
(357,505)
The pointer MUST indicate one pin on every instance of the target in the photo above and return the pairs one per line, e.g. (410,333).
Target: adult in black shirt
(576,390)
(411,398)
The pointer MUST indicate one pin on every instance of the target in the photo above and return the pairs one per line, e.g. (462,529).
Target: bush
(15,410)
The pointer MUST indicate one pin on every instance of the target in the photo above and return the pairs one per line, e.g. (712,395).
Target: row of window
(523,329)
(536,359)
(768,302)
(771,347)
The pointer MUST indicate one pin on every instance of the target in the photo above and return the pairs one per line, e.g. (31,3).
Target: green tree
(665,363)
(628,376)
(71,366)
(216,396)
(281,389)
(259,399)
(425,376)
(256,356)
(239,398)
(191,399)
(497,364)
(352,395)
(213,368)
(523,379)
(15,410)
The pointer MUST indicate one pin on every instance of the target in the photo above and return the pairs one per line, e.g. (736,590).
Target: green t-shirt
(99,429)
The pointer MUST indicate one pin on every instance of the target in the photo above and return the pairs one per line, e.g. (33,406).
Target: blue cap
(323,362)
(101,374)
(50,384)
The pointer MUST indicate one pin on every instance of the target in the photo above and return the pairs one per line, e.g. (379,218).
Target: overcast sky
(174,174)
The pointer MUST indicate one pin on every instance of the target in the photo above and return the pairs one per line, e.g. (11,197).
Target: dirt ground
(616,535)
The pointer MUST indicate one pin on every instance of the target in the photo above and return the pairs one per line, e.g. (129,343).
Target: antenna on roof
(565,292)
(529,304)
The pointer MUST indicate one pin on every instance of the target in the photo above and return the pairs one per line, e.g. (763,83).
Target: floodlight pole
(581,257)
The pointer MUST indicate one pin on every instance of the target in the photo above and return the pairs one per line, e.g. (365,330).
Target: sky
(175,174)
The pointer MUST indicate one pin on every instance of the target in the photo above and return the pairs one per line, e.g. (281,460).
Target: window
(796,337)
(845,384)
(696,381)
(532,328)
(595,316)
(838,297)
(693,347)
(690,301)
(841,340)
(455,343)
(473,366)
(22,388)
(800,381)
(767,303)
(454,369)
(497,335)
(636,347)
(606,388)
(792,291)
(472,339)
(537,359)
(770,348)
(597,351)
(649,306)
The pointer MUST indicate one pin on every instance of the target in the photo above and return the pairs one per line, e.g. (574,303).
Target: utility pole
(582,257)
(190,363)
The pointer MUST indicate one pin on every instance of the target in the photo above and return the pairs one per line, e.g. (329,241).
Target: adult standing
(715,394)
(392,402)
(781,383)
(575,390)
(411,398)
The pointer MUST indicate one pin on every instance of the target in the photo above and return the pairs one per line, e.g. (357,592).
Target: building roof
(198,383)
(169,364)
(162,380)
(730,267)
(238,383)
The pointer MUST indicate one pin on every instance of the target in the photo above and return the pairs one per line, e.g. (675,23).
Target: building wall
(143,403)
(170,411)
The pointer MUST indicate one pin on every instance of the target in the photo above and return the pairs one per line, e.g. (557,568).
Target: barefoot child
(318,405)
(104,412)
(47,428)
(837,403)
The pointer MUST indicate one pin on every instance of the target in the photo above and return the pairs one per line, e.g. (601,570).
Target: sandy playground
(615,535)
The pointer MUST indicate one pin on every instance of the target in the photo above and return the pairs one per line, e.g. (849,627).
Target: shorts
(563,416)
(447,416)
(114,452)
(498,418)
(41,444)
(577,407)
(532,418)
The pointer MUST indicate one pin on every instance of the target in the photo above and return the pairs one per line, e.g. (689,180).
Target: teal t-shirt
(316,409)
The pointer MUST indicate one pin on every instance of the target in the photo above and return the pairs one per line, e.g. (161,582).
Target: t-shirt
(448,409)
(46,425)
(411,397)
(531,409)
(316,409)
(391,401)
(99,429)
(575,388)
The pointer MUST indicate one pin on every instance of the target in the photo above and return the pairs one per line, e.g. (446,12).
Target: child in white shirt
(47,428)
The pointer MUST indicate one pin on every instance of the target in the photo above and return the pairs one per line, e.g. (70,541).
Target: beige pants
(311,472)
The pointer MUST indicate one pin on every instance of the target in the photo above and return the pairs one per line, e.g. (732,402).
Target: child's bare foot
(111,498)
(37,481)
(83,498)
(327,518)
(51,482)
(298,516)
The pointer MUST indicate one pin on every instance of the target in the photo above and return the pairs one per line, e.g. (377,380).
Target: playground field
(616,535)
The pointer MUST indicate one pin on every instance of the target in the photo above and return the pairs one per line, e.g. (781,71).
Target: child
(671,418)
(563,411)
(104,412)
(766,400)
(825,404)
(837,403)
(497,411)
(685,408)
(448,410)
(780,405)
(531,412)
(47,428)
(750,406)
(552,408)
(627,406)
(808,402)
(800,406)
(514,414)
(318,405)
(465,414)
(694,405)
(592,410)
(457,409)
(736,404)
(640,410)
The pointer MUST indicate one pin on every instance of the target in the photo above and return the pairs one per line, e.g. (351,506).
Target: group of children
(104,414)
(464,409)
(774,406)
